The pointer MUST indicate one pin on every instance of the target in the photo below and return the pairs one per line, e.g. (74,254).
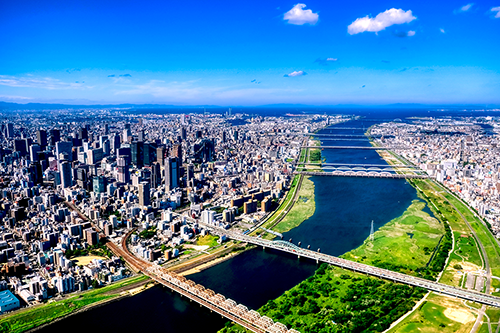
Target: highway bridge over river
(365,269)
(357,147)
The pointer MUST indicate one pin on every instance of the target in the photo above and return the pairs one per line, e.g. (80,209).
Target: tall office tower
(149,153)
(41,138)
(10,130)
(106,129)
(20,146)
(141,136)
(235,135)
(55,136)
(123,171)
(160,155)
(224,137)
(34,149)
(83,133)
(183,133)
(99,184)
(190,174)
(177,152)
(127,133)
(155,175)
(144,195)
(115,142)
(137,150)
(64,147)
(172,173)
(65,172)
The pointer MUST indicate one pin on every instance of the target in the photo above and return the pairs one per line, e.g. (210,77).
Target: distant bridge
(356,147)
(361,165)
(371,174)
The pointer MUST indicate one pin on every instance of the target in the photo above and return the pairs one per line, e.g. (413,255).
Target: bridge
(289,247)
(238,313)
(371,174)
(356,147)
(361,165)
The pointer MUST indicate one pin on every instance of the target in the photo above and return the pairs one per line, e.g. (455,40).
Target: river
(345,207)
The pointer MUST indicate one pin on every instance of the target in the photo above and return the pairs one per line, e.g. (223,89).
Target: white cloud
(381,21)
(496,9)
(411,33)
(466,7)
(14,98)
(31,82)
(442,31)
(295,73)
(298,16)
(331,59)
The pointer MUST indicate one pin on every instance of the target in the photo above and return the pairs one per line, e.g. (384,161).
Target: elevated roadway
(370,174)
(288,247)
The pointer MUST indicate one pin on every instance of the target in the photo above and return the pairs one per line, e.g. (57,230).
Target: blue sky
(250,53)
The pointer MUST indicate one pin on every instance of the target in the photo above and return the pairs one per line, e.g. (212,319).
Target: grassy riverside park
(337,300)
(405,244)
(25,319)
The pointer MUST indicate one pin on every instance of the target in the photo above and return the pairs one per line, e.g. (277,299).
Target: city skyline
(251,54)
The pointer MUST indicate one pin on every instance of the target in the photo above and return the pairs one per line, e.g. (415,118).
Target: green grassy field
(336,300)
(283,206)
(303,208)
(407,242)
(23,320)
(438,314)
(209,240)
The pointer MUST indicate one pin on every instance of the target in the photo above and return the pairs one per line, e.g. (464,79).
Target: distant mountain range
(48,106)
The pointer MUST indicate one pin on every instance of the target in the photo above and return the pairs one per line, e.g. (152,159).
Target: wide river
(345,207)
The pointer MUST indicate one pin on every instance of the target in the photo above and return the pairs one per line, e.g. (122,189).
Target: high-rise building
(155,175)
(99,184)
(83,133)
(172,173)
(65,172)
(144,195)
(20,146)
(34,149)
(64,147)
(177,152)
(123,170)
(137,150)
(183,133)
(10,130)
(41,137)
(55,136)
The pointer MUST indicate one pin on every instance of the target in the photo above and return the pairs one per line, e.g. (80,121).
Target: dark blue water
(345,207)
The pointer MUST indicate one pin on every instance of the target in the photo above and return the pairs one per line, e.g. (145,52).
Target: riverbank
(47,313)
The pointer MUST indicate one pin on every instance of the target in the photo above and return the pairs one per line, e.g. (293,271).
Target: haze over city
(250,53)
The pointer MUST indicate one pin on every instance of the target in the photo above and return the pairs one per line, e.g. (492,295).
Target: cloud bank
(325,61)
(298,16)
(381,21)
(295,73)
(496,9)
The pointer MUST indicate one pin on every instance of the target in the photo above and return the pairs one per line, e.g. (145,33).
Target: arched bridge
(370,174)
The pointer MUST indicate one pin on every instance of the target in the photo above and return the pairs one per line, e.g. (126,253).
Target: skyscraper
(66,178)
(144,196)
(172,173)
(177,152)
(155,175)
(55,136)
(123,171)
(41,137)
